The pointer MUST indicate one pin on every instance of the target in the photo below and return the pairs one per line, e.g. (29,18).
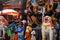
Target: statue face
(47,19)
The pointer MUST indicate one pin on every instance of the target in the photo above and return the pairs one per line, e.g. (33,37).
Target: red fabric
(52,26)
(16,37)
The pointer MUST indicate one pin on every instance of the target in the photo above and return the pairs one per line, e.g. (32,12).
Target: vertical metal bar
(43,11)
(23,7)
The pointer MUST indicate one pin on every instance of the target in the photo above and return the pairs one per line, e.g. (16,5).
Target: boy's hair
(20,23)
(15,32)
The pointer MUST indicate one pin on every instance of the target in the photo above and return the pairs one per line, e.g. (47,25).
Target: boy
(19,30)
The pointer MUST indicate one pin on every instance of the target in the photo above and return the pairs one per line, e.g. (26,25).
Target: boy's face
(20,25)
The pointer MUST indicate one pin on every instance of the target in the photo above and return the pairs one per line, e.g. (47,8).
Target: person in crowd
(19,30)
(33,35)
(28,32)
(57,27)
(50,11)
(6,37)
(38,33)
(12,27)
(15,35)
(8,31)
(2,32)
(3,23)
(36,25)
(39,17)
(32,19)
(47,28)
(24,26)
(54,20)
